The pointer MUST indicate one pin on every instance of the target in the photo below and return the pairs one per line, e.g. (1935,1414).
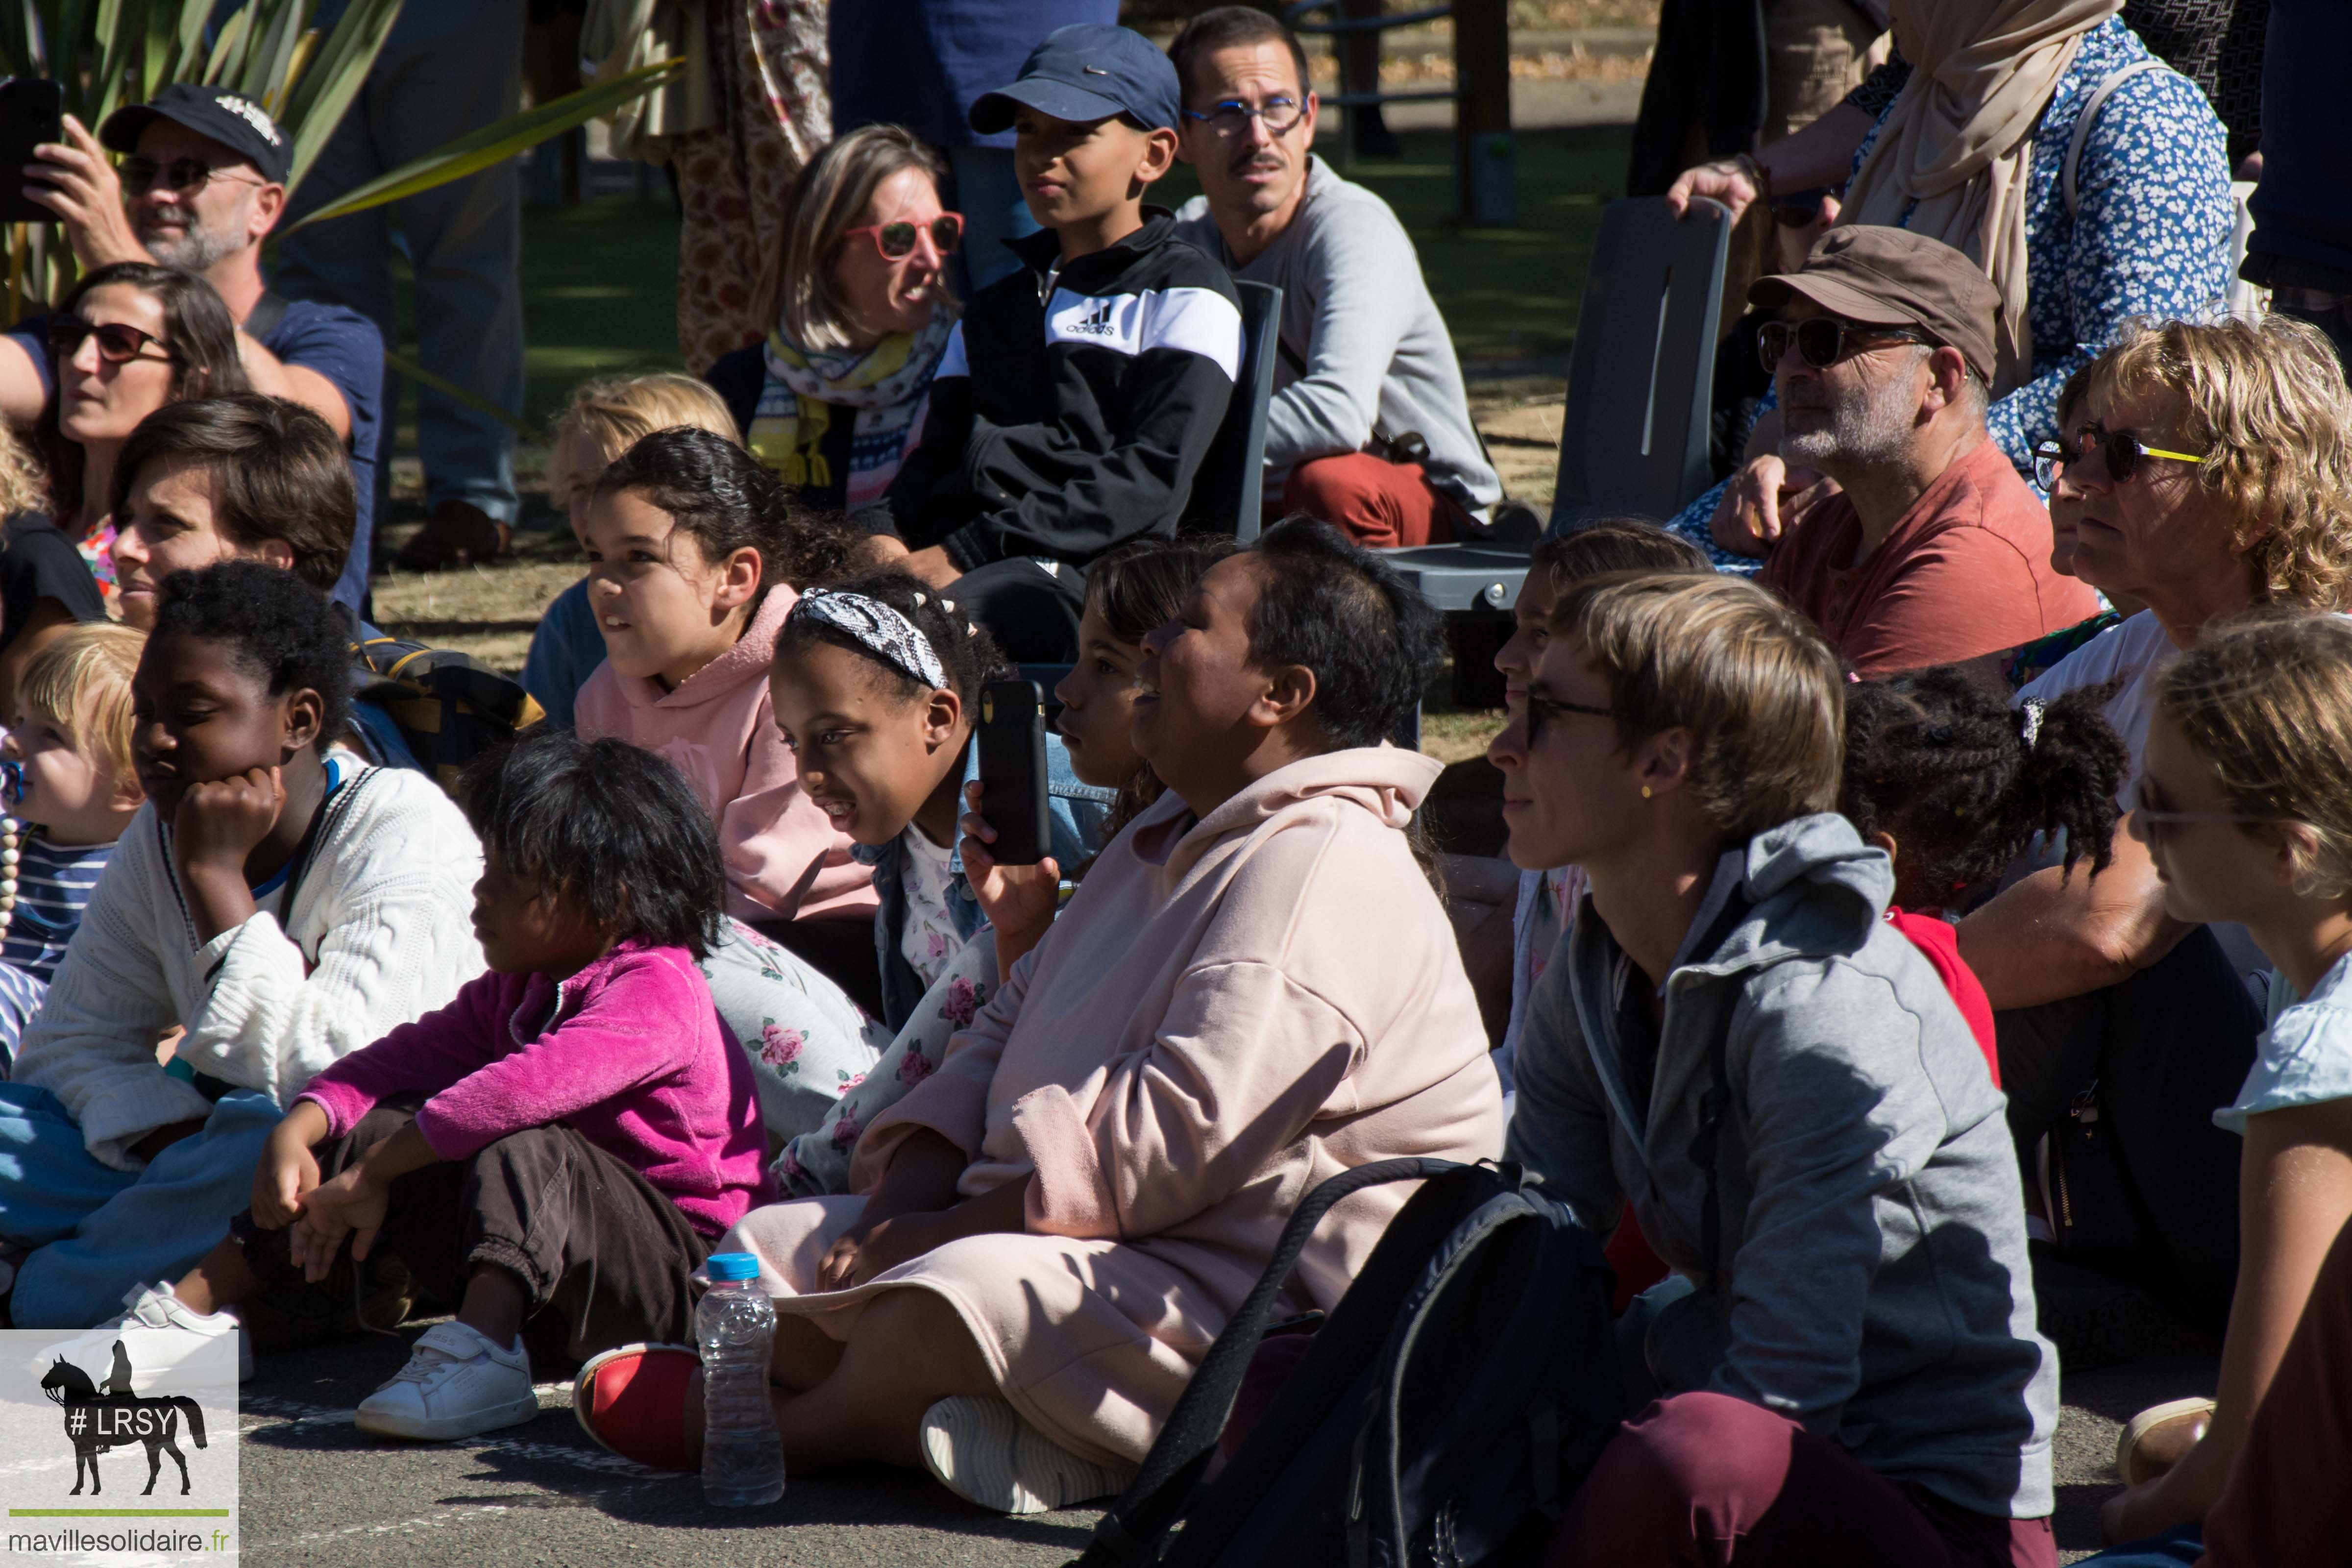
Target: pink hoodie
(629,1052)
(785,860)
(1230,1010)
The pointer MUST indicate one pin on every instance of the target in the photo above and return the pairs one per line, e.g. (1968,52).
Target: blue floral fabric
(2150,235)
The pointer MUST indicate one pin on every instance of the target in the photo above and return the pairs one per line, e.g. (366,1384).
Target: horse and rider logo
(112,1415)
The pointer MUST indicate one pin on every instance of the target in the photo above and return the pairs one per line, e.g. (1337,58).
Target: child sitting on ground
(68,748)
(697,557)
(1077,397)
(555,1149)
(282,901)
(2243,808)
(1135,589)
(1955,784)
(605,418)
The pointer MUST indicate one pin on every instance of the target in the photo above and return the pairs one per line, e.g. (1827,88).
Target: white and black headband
(880,630)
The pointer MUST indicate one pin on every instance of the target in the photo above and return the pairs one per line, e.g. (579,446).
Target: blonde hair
(2267,703)
(616,412)
(24,487)
(82,681)
(1750,678)
(2265,404)
(831,195)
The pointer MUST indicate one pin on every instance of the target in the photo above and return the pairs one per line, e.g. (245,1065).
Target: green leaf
(227,46)
(333,77)
(495,143)
(121,34)
(402,365)
(15,38)
(273,46)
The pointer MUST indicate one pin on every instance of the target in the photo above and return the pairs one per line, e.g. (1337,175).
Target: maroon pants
(1374,501)
(2286,1504)
(1705,1479)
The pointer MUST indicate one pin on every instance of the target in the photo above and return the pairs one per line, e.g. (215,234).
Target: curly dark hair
(1939,760)
(970,655)
(1137,587)
(606,826)
(1346,614)
(726,498)
(281,627)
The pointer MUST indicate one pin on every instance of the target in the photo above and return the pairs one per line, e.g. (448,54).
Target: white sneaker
(983,1452)
(456,1384)
(154,1306)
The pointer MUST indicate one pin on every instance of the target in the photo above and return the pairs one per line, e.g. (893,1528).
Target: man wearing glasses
(201,184)
(1921,546)
(1370,428)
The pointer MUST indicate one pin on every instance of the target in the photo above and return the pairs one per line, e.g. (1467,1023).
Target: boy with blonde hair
(605,417)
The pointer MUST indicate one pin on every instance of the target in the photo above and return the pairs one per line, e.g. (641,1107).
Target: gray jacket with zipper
(1874,1284)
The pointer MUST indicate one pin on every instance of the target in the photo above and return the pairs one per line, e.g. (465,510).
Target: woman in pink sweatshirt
(555,1149)
(1255,988)
(695,552)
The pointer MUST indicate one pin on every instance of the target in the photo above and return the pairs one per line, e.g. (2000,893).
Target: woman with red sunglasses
(836,396)
(129,339)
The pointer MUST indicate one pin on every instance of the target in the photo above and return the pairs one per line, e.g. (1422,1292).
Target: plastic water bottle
(742,1456)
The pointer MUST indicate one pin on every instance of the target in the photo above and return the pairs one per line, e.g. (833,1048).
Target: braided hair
(966,651)
(1939,760)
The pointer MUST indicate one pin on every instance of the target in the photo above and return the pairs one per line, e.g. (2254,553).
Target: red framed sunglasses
(896,241)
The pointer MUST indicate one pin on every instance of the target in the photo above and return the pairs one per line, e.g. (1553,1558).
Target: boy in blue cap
(1077,396)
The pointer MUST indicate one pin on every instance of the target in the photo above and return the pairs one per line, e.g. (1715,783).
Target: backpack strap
(1131,1530)
(2089,117)
(263,319)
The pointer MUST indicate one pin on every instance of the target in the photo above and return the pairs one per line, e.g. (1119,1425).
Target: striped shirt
(54,883)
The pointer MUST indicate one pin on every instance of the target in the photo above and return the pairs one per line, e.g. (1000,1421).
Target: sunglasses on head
(1823,340)
(2120,449)
(896,241)
(117,344)
(185,176)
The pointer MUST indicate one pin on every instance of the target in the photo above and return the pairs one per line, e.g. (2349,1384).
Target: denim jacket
(1077,812)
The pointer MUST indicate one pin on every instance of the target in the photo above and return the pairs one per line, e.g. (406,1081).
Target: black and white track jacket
(1073,404)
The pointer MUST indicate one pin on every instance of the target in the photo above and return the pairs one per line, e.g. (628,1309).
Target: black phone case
(1011,731)
(32,111)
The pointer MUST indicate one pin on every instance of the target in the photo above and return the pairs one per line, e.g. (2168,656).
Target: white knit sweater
(383,933)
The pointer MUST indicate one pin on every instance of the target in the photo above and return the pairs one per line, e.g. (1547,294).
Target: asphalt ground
(318,1492)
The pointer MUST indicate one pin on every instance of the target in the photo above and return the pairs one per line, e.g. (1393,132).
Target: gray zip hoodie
(1875,1281)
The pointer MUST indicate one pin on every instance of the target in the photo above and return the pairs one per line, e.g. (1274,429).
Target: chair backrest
(1230,488)
(1642,374)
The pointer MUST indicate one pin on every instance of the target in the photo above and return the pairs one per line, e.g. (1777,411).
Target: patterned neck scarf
(886,387)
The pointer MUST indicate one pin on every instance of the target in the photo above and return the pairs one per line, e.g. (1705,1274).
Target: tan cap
(1885,277)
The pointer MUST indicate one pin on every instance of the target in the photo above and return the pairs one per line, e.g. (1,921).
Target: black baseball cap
(1087,71)
(231,119)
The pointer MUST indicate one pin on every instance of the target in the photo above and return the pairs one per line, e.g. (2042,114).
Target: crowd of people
(1924,965)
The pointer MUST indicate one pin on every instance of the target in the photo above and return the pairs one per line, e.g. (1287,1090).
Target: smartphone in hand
(1011,731)
(32,112)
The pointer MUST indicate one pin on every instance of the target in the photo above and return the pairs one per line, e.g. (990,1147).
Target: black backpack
(438,705)
(1456,1397)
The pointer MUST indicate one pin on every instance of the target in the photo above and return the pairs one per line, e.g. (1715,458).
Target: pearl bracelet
(11,842)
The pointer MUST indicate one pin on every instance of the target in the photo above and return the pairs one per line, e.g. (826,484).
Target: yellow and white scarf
(886,388)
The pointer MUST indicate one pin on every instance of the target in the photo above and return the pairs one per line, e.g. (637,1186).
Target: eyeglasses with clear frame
(2149,817)
(1230,117)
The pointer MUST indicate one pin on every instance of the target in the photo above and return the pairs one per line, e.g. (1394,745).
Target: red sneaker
(633,1401)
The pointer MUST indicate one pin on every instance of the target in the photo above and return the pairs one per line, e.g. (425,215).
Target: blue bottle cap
(722,1266)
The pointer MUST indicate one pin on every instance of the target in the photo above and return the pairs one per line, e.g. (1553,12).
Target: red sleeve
(1941,946)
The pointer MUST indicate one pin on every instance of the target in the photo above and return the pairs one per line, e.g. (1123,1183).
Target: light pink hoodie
(1229,1012)
(785,860)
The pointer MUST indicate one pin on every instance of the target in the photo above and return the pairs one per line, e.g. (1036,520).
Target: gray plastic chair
(1640,379)
(1229,490)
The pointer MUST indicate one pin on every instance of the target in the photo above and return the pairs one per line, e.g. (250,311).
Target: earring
(1645,791)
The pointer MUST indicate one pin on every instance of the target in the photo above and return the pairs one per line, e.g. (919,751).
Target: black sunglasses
(2121,451)
(117,344)
(185,176)
(1823,340)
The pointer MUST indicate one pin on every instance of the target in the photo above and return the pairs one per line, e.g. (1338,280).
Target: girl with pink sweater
(1050,1230)
(556,1149)
(694,552)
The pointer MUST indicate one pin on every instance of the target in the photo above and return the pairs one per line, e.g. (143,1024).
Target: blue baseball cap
(1087,71)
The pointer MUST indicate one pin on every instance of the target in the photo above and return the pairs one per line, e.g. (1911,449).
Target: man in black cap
(201,184)
(1926,549)
(1076,398)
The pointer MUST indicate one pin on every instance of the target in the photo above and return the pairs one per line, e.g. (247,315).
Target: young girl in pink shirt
(556,1149)
(695,556)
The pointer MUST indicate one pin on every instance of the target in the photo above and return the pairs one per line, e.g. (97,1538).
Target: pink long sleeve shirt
(629,1053)
(785,859)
